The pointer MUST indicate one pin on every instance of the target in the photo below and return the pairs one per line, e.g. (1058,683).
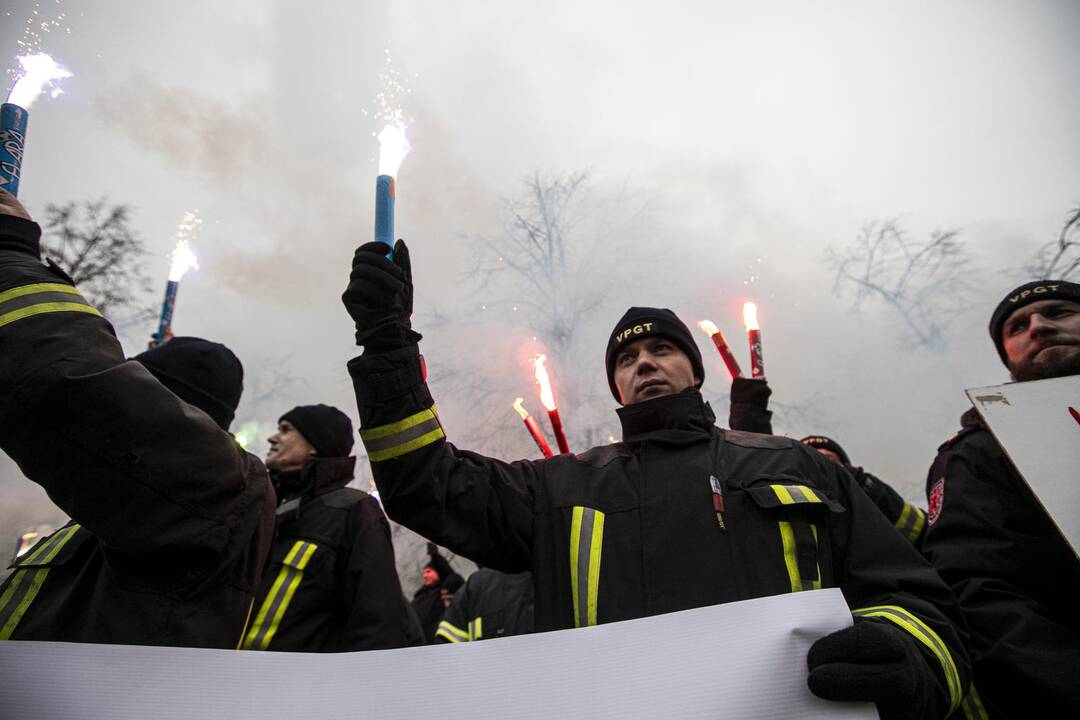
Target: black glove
(380,297)
(20,235)
(878,663)
(750,406)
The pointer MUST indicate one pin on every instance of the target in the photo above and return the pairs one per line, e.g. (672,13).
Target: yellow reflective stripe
(586,546)
(811,496)
(816,584)
(575,543)
(917,527)
(924,634)
(594,564)
(902,520)
(477,631)
(42,308)
(451,633)
(408,447)
(275,603)
(787,536)
(783,494)
(973,706)
(50,547)
(37,288)
(386,430)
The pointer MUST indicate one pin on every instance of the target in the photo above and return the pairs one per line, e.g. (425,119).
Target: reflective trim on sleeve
(281,594)
(27,581)
(451,633)
(414,432)
(40,298)
(911,522)
(586,544)
(791,494)
(924,634)
(973,707)
(476,629)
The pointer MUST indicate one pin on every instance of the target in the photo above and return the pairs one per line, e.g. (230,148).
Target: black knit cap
(1025,295)
(642,322)
(826,443)
(327,429)
(201,373)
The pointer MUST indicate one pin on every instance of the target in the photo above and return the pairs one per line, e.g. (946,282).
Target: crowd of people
(180,537)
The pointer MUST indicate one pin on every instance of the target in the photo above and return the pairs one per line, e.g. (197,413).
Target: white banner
(741,660)
(1038,425)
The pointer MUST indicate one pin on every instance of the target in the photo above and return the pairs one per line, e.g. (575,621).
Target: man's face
(650,368)
(289,450)
(430,577)
(1042,340)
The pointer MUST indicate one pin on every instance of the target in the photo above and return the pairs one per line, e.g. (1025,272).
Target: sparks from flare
(543,382)
(39,72)
(183,258)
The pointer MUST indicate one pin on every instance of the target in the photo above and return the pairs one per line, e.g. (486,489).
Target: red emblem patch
(937,497)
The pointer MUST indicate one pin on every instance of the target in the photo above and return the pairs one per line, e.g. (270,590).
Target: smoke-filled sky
(728,146)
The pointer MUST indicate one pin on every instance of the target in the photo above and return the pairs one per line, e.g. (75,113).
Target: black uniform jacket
(749,412)
(172,519)
(679,515)
(1017,581)
(331,584)
(491,605)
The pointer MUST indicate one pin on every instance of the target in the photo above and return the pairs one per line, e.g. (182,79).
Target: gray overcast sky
(754,134)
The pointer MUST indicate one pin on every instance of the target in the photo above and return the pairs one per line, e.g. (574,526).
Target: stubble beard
(1054,362)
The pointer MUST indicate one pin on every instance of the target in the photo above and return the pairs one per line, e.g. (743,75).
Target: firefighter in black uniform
(908,518)
(331,584)
(491,605)
(622,531)
(1015,577)
(172,520)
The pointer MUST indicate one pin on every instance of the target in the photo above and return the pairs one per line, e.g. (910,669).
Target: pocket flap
(774,492)
(298,554)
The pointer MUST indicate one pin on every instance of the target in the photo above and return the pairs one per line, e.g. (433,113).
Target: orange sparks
(749,314)
(547,397)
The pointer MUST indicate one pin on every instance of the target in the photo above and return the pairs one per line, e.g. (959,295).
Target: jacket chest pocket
(289,564)
(798,517)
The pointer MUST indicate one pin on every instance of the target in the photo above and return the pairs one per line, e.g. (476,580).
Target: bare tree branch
(923,281)
(1059,259)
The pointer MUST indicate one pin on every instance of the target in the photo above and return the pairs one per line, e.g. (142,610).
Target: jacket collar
(681,418)
(317,476)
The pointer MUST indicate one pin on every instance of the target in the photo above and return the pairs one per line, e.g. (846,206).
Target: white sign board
(1037,423)
(740,660)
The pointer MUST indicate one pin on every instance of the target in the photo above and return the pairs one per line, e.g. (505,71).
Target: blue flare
(385,195)
(167,308)
(12,141)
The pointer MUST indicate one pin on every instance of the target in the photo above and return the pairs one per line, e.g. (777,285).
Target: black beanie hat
(826,443)
(327,429)
(1025,295)
(201,373)
(641,322)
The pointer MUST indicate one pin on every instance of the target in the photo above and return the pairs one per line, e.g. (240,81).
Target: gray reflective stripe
(403,436)
(26,582)
(973,707)
(911,522)
(38,298)
(588,516)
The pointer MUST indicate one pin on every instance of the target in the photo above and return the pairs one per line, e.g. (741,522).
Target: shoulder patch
(757,440)
(936,497)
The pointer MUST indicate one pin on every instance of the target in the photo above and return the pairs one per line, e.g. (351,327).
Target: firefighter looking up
(1016,578)
(622,531)
(172,519)
(331,584)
